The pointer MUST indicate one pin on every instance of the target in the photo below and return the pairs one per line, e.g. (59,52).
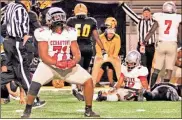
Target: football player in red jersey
(167,22)
(55,44)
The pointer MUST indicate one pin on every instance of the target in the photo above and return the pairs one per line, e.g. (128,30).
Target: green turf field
(64,105)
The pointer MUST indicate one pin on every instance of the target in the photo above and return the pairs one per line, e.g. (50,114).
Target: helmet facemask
(56,19)
(132,60)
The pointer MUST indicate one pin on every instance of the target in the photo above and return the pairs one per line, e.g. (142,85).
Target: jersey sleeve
(73,34)
(156,16)
(179,18)
(94,23)
(143,71)
(42,34)
(123,69)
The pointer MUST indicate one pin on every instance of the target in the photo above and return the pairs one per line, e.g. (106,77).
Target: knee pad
(34,88)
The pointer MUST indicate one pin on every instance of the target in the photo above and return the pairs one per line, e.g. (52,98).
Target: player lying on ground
(54,45)
(164,91)
(134,78)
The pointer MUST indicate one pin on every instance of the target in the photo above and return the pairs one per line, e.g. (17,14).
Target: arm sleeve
(22,19)
(117,46)
(130,13)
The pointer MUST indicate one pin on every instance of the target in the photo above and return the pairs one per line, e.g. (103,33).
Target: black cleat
(78,95)
(38,104)
(90,113)
(26,115)
(100,97)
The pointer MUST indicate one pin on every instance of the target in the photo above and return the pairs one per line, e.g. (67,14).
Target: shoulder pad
(142,71)
(72,33)
(93,19)
(42,34)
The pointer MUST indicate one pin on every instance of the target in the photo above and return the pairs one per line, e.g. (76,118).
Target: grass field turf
(62,104)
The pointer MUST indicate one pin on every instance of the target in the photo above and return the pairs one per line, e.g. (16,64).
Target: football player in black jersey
(86,28)
(43,6)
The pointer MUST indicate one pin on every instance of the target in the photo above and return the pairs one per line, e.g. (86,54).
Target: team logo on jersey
(60,42)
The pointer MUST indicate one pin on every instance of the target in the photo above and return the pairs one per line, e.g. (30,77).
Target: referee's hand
(25,38)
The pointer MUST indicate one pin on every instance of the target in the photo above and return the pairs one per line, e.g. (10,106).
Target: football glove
(62,64)
(71,63)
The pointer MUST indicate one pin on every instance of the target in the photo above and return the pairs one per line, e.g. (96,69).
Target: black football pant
(18,58)
(86,56)
(147,57)
(163,91)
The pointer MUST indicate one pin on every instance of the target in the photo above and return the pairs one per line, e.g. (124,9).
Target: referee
(144,24)
(18,44)
(17,28)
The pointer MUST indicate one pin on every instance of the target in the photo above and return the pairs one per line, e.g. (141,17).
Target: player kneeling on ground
(110,61)
(54,44)
(134,77)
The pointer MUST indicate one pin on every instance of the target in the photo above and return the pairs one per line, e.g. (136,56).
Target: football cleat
(100,97)
(26,114)
(38,104)
(90,113)
(78,95)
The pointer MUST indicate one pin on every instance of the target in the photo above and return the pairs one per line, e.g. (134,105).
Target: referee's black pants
(17,55)
(147,57)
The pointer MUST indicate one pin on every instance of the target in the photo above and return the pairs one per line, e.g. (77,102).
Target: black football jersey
(84,27)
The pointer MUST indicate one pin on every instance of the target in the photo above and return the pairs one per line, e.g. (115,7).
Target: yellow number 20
(85,31)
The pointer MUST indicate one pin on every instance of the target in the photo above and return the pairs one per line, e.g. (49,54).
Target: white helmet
(133,59)
(55,14)
(169,7)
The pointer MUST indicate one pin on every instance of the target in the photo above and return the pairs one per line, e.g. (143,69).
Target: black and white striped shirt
(143,25)
(16,19)
(3,13)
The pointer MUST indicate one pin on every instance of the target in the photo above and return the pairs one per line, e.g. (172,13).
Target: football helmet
(169,7)
(27,4)
(111,22)
(133,59)
(55,15)
(80,9)
(44,3)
